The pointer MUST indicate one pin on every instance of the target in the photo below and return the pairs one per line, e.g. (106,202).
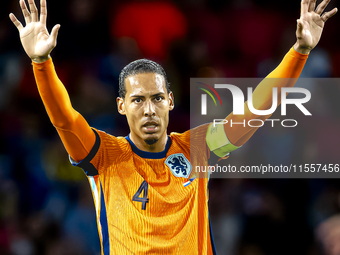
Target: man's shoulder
(107,139)
(196,132)
(192,137)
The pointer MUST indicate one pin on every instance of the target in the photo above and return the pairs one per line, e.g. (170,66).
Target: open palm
(35,39)
(311,23)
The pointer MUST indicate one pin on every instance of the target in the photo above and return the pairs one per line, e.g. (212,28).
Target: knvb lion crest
(179,165)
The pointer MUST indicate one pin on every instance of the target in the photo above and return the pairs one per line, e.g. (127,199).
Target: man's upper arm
(78,138)
(218,141)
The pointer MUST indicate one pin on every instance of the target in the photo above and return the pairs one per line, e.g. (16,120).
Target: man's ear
(171,101)
(121,106)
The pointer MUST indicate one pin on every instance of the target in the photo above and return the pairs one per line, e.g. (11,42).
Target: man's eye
(137,100)
(159,98)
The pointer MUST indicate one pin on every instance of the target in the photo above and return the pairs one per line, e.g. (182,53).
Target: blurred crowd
(46,205)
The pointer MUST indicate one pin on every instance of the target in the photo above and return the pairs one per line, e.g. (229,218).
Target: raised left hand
(311,24)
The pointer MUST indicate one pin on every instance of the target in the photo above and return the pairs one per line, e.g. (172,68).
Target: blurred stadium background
(46,205)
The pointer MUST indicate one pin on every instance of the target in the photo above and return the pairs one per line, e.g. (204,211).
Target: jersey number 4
(144,199)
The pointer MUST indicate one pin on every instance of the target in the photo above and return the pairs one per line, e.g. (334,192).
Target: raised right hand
(35,39)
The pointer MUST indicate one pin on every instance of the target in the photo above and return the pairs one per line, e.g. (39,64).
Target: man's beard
(151,141)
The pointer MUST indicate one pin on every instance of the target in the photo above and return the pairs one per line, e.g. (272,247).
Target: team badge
(179,165)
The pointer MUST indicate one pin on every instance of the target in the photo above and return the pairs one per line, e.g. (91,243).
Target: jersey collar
(146,154)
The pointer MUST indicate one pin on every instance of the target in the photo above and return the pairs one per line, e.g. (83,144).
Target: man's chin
(151,138)
(151,141)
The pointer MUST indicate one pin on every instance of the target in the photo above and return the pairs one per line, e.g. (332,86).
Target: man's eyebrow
(158,94)
(154,95)
(136,95)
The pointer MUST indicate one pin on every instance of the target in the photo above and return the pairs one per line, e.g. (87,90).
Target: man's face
(146,106)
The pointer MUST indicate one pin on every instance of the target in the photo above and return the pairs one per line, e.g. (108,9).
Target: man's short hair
(137,67)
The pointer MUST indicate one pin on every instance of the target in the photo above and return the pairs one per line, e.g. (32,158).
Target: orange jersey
(150,203)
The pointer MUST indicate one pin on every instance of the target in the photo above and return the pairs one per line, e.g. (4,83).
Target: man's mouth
(150,127)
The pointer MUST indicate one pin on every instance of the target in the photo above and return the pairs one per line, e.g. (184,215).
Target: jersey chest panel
(148,209)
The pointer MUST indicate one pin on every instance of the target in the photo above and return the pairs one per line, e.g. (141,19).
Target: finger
(34,10)
(25,12)
(43,11)
(311,7)
(329,14)
(321,7)
(15,21)
(54,34)
(304,7)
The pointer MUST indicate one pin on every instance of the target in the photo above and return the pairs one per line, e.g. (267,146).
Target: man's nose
(149,108)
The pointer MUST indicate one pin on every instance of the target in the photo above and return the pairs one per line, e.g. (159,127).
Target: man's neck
(158,146)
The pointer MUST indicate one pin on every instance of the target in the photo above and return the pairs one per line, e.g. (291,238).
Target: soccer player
(146,196)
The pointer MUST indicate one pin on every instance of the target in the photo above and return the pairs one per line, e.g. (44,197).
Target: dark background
(46,205)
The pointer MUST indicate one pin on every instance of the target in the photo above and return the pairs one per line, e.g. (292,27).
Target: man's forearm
(54,94)
(75,133)
(285,75)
